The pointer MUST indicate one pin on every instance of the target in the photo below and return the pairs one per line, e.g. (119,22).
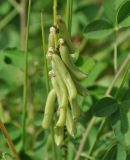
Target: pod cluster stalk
(65,77)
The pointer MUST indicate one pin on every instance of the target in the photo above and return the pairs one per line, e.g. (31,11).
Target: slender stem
(8,18)
(69,15)
(53,143)
(115,52)
(25,91)
(84,138)
(23,22)
(91,123)
(44,53)
(99,132)
(55,11)
(8,140)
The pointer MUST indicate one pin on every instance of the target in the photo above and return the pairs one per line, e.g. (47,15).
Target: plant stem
(84,138)
(23,22)
(91,123)
(53,142)
(55,18)
(69,15)
(115,52)
(8,140)
(44,53)
(8,18)
(99,132)
(25,90)
(55,11)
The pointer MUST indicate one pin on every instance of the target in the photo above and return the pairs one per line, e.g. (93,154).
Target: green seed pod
(56,87)
(64,98)
(59,135)
(64,52)
(72,91)
(49,109)
(75,108)
(70,123)
(64,33)
(51,39)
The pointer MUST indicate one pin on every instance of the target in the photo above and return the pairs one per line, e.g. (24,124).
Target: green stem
(8,140)
(8,18)
(69,15)
(53,143)
(25,91)
(23,22)
(103,124)
(55,11)
(85,137)
(115,52)
(44,53)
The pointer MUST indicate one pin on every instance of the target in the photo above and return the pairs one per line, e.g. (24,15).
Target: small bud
(61,41)
(52,30)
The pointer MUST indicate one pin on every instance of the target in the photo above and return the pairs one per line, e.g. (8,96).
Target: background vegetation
(100,29)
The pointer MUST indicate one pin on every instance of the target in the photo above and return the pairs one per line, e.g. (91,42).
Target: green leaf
(98,29)
(123,17)
(120,122)
(111,9)
(105,107)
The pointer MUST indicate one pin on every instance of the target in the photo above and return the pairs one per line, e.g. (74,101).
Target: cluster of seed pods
(65,77)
